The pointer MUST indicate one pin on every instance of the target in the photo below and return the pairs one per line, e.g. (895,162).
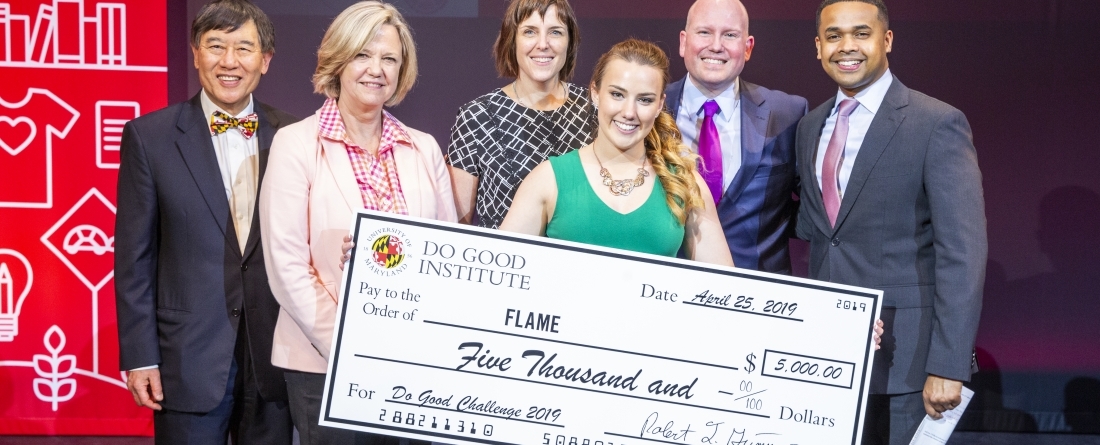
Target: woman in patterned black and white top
(499,137)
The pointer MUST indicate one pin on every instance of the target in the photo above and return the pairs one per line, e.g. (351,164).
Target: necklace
(621,187)
(523,102)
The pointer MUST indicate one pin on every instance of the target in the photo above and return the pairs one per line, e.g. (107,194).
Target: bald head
(715,44)
(732,11)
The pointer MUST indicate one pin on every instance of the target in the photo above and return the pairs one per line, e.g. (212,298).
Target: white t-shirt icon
(27,130)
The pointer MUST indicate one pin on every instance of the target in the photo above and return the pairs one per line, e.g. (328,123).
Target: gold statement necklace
(621,187)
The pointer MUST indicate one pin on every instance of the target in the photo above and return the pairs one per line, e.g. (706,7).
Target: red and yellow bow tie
(221,122)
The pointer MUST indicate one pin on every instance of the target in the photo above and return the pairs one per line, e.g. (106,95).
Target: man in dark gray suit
(754,170)
(892,200)
(195,314)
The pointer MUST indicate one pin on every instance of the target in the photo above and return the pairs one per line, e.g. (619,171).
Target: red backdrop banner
(74,72)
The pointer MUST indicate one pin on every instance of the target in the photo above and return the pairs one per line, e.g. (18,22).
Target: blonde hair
(352,30)
(674,164)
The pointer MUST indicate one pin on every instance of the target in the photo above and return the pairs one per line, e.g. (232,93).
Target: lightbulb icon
(11,302)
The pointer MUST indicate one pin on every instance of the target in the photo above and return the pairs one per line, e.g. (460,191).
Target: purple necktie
(710,151)
(830,180)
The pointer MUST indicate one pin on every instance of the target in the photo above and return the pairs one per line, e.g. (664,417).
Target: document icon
(110,116)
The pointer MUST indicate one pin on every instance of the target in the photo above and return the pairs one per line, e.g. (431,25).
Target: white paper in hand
(932,431)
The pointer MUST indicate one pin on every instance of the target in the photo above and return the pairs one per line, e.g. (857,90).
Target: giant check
(463,335)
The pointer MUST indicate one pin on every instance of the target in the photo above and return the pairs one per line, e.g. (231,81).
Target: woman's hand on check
(878,325)
(348,245)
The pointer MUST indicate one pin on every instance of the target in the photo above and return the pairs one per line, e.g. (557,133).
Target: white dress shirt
(239,163)
(690,120)
(858,123)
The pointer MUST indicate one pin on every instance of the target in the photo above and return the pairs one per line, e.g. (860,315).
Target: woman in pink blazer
(350,155)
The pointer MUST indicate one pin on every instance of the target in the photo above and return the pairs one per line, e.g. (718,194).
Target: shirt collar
(208,107)
(393,129)
(693,99)
(871,97)
(330,125)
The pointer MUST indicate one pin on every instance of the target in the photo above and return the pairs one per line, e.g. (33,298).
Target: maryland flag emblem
(388,252)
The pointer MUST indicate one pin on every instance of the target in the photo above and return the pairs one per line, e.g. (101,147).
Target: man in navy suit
(892,200)
(195,314)
(755,130)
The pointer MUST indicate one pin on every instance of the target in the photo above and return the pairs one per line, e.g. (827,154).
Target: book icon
(59,35)
(110,117)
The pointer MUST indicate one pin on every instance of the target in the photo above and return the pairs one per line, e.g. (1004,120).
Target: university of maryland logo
(388,251)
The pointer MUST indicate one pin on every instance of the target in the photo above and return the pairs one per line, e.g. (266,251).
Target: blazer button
(835,242)
(244,267)
(236,312)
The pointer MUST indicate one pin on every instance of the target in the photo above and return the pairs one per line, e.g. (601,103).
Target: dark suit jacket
(757,209)
(180,279)
(911,223)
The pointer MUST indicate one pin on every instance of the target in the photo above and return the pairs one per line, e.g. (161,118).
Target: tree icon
(54,370)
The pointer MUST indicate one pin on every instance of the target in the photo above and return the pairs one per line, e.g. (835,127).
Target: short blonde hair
(352,30)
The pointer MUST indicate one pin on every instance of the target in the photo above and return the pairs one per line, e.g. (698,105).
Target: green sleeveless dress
(581,216)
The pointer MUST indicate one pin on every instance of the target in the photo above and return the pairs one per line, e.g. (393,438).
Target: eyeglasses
(240,51)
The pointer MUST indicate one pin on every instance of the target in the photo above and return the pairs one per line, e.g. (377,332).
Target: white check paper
(463,335)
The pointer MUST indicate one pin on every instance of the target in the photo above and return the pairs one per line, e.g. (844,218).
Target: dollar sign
(752,366)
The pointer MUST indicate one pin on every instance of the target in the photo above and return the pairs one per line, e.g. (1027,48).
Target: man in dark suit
(746,140)
(195,313)
(892,200)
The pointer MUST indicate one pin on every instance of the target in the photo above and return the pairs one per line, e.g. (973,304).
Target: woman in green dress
(635,186)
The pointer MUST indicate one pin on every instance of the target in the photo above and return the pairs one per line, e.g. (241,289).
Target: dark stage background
(1023,71)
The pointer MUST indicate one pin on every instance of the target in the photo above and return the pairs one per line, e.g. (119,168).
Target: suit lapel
(198,153)
(879,134)
(673,95)
(408,168)
(810,141)
(754,127)
(269,124)
(336,156)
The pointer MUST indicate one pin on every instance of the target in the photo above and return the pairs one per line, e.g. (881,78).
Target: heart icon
(12,134)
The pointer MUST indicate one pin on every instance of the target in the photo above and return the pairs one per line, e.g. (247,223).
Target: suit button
(835,242)
(244,267)
(236,312)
